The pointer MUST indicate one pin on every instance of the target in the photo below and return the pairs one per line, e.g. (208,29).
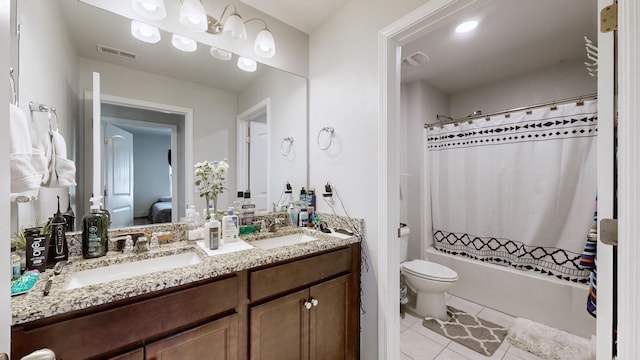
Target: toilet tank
(404,243)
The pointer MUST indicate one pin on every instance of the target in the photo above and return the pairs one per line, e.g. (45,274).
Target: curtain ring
(330,131)
(286,151)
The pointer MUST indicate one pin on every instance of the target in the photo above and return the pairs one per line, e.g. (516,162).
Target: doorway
(254,154)
(391,39)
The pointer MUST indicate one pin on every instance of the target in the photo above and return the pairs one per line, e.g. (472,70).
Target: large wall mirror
(179,108)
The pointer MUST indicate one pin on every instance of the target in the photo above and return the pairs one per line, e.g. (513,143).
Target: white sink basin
(130,269)
(285,240)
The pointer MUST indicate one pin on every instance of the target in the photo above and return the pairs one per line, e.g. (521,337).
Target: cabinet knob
(314,302)
(307,305)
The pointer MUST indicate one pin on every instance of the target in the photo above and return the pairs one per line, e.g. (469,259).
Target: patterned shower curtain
(516,191)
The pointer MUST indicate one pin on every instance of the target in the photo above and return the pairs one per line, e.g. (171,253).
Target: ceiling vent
(416,59)
(113,51)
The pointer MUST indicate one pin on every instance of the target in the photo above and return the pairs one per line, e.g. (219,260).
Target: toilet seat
(429,270)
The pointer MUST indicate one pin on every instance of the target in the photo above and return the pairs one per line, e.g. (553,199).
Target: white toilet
(428,280)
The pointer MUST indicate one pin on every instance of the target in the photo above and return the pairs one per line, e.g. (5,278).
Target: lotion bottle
(230,228)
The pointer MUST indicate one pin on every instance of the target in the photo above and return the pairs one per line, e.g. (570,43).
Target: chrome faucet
(142,244)
(277,223)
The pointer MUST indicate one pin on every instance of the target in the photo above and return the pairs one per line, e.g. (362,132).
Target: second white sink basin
(285,240)
(130,269)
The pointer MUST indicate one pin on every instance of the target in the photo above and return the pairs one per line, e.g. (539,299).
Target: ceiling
(513,37)
(304,15)
(91,26)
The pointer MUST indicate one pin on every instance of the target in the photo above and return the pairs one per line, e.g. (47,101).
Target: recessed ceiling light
(183,43)
(144,32)
(466,26)
(247,65)
(220,54)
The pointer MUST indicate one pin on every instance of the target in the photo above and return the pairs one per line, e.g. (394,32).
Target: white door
(258,165)
(118,157)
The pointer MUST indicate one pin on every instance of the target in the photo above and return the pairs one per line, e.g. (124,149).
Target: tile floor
(420,343)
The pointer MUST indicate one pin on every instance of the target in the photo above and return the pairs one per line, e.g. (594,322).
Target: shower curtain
(516,190)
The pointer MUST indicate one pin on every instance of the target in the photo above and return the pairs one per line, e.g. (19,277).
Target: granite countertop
(34,305)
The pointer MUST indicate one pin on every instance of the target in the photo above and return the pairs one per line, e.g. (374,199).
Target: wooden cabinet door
(279,329)
(217,340)
(137,354)
(328,320)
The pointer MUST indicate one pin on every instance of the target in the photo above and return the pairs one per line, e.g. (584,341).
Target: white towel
(61,171)
(27,164)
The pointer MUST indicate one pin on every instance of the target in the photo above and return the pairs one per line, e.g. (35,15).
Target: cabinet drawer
(89,335)
(282,278)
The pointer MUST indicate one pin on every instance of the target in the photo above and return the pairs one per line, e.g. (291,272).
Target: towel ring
(285,151)
(14,90)
(52,114)
(330,131)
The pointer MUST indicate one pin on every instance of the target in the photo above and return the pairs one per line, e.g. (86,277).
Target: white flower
(210,177)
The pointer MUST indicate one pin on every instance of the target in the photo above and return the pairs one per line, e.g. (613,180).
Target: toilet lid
(429,270)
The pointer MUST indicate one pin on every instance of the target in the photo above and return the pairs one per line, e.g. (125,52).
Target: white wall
(551,83)
(214,110)
(423,103)
(343,84)
(288,99)
(151,170)
(47,75)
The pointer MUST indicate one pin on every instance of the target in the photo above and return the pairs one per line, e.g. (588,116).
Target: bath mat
(477,334)
(549,343)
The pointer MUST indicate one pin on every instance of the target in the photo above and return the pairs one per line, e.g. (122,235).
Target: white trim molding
(390,40)
(629,178)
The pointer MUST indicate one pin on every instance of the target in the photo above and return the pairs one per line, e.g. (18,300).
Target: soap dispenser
(94,232)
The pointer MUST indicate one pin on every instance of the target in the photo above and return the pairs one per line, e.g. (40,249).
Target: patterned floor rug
(477,334)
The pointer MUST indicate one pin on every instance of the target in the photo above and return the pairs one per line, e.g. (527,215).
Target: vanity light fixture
(150,9)
(220,54)
(247,64)
(193,16)
(143,32)
(183,43)
(466,26)
(264,45)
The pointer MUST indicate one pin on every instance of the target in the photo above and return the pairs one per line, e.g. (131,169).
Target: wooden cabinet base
(216,340)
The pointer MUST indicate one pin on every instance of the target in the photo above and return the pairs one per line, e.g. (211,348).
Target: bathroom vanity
(295,301)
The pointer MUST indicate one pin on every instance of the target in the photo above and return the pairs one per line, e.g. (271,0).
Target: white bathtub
(556,303)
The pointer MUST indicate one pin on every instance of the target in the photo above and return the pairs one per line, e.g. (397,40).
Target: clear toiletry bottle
(303,218)
(212,233)
(248,210)
(94,239)
(16,271)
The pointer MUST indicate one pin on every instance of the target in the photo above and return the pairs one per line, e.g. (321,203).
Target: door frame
(629,178)
(404,30)
(262,107)
(188,150)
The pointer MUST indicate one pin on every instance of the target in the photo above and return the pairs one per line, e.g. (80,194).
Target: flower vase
(210,212)
(207,213)
(215,205)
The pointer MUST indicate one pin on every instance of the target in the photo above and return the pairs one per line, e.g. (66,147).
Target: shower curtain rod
(577,99)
